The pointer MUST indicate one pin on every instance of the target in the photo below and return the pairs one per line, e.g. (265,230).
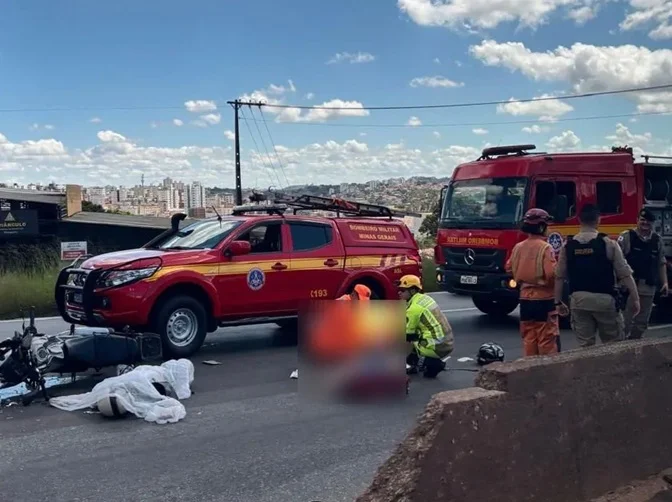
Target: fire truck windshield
(486,202)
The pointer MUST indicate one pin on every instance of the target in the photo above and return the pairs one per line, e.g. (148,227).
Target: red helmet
(535,216)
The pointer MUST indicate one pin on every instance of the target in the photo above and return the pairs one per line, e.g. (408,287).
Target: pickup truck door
(253,284)
(317,261)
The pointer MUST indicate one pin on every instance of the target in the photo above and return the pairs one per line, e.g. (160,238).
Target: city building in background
(418,194)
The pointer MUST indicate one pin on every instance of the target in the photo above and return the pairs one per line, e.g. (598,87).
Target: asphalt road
(247,435)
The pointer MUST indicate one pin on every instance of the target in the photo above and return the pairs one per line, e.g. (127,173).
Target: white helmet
(110,406)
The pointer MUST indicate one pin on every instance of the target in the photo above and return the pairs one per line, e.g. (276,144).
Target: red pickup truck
(256,266)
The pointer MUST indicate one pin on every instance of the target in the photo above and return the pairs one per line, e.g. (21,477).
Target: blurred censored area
(352,351)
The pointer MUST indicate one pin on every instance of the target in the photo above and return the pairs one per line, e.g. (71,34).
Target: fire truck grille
(476,259)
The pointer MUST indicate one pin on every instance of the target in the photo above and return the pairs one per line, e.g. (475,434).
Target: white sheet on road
(135,392)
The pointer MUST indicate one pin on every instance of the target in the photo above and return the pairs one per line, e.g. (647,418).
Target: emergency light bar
(269,209)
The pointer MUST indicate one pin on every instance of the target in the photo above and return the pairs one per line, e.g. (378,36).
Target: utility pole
(239,187)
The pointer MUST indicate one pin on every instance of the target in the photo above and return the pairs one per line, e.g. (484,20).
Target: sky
(96,93)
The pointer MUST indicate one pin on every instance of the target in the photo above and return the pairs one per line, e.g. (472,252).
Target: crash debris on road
(148,392)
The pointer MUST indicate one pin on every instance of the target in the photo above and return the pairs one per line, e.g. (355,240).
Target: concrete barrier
(564,428)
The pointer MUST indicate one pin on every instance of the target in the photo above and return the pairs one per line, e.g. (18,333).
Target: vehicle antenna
(219,218)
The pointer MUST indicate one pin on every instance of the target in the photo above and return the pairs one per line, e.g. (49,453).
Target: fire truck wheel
(497,307)
(182,323)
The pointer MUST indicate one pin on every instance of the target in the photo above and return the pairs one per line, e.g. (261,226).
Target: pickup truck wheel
(496,307)
(182,323)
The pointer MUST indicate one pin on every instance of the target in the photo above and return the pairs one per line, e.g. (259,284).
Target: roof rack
(339,206)
(661,157)
(488,153)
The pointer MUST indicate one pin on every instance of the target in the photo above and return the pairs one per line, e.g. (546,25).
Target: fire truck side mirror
(561,209)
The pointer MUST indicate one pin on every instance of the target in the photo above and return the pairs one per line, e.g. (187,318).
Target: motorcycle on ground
(29,357)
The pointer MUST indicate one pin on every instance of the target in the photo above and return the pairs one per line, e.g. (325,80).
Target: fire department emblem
(256,279)
(556,241)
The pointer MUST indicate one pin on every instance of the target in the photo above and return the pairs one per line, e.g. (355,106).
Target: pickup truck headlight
(120,277)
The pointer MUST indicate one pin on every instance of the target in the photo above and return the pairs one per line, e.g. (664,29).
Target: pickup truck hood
(174,257)
(120,257)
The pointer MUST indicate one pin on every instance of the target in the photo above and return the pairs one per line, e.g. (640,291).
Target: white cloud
(655,14)
(154,125)
(200,106)
(121,160)
(95,120)
(414,122)
(565,141)
(486,14)
(178,122)
(623,137)
(547,110)
(435,81)
(359,57)
(310,96)
(354,109)
(436,134)
(480,131)
(279,90)
(36,127)
(111,137)
(437,60)
(535,129)
(210,119)
(589,68)
(583,14)
(230,135)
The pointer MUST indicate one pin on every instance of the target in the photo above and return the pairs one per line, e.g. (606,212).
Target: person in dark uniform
(643,249)
(593,264)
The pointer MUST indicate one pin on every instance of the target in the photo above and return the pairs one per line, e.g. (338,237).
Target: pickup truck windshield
(205,234)
(487,202)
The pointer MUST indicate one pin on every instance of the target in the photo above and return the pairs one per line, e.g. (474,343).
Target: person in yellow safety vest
(359,292)
(426,328)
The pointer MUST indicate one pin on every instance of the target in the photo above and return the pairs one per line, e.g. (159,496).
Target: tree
(430,225)
(90,207)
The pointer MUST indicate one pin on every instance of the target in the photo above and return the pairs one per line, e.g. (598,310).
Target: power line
(308,107)
(273,143)
(475,124)
(261,137)
(256,146)
(477,103)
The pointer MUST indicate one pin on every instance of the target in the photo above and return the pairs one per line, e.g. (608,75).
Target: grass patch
(21,290)
(429,275)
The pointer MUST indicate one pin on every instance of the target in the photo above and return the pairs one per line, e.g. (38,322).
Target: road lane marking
(459,310)
(660,326)
(36,319)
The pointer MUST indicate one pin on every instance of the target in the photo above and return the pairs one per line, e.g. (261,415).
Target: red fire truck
(483,205)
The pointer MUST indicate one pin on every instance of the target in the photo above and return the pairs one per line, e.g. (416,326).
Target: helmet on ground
(410,281)
(489,353)
(535,216)
(110,406)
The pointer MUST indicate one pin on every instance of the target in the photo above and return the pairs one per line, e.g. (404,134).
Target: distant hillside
(419,193)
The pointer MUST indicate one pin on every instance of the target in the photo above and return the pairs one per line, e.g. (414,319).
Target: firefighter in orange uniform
(532,265)
(328,340)
(359,292)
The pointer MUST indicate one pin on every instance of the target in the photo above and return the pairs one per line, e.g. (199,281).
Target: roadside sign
(73,250)
(19,223)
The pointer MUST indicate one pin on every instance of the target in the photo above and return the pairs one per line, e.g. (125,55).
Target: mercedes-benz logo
(469,256)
